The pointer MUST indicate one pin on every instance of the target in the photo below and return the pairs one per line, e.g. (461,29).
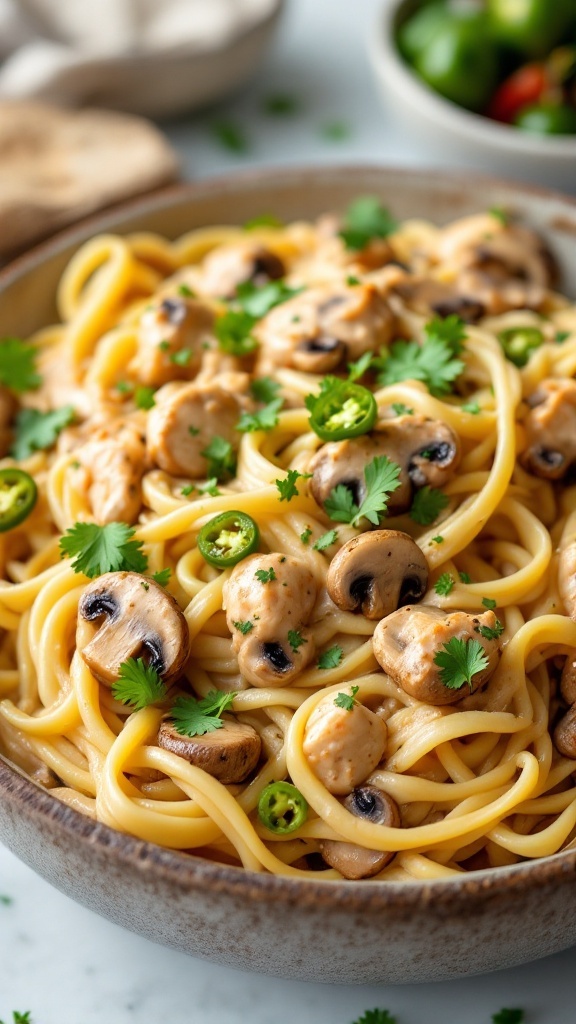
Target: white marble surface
(62,962)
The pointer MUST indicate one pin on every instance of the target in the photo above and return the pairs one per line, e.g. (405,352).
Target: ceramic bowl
(455,136)
(348,932)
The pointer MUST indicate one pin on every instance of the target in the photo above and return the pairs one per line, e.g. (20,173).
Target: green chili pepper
(228,538)
(518,343)
(18,494)
(342,410)
(282,808)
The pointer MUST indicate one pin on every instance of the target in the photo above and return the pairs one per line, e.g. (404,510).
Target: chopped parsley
(182,357)
(427,505)
(138,685)
(265,575)
(361,366)
(331,658)
(465,578)
(233,330)
(305,536)
(287,487)
(18,365)
(144,398)
(402,410)
(99,549)
(460,661)
(382,479)
(185,291)
(444,584)
(38,430)
(243,627)
(162,578)
(192,717)
(264,389)
(433,363)
(491,632)
(263,220)
(326,540)
(437,540)
(471,407)
(231,136)
(265,419)
(346,700)
(364,220)
(295,639)
(257,300)
(489,603)
(561,336)
(221,458)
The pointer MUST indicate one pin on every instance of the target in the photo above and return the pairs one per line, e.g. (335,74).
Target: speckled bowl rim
(387,62)
(188,871)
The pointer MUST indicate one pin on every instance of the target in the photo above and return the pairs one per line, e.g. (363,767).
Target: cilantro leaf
(460,661)
(346,700)
(162,578)
(221,458)
(331,658)
(382,479)
(243,627)
(233,331)
(471,407)
(491,632)
(295,639)
(427,505)
(489,603)
(376,1017)
(360,367)
(364,220)
(449,329)
(264,389)
(433,363)
(287,487)
(444,584)
(465,578)
(192,717)
(265,419)
(305,536)
(37,430)
(265,575)
(257,300)
(144,398)
(18,365)
(138,685)
(326,540)
(99,549)
(508,1017)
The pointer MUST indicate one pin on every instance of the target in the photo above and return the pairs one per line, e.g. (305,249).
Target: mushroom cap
(377,572)
(430,297)
(568,680)
(564,735)
(227,266)
(134,617)
(350,859)
(406,642)
(427,451)
(550,426)
(229,754)
(343,747)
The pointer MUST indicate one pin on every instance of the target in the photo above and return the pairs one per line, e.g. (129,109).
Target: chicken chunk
(228,266)
(171,337)
(185,418)
(114,462)
(343,747)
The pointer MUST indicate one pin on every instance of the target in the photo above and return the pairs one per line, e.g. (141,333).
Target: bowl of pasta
(288,546)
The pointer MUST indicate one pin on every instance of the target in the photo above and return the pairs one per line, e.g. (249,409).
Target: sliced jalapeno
(18,494)
(341,410)
(228,538)
(282,808)
(518,342)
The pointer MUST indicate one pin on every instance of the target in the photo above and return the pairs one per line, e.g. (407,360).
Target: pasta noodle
(478,778)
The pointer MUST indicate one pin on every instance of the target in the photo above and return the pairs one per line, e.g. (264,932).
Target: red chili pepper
(525,86)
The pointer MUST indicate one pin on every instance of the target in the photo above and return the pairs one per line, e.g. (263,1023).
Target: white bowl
(458,136)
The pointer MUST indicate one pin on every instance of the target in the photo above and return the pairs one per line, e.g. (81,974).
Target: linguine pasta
(478,781)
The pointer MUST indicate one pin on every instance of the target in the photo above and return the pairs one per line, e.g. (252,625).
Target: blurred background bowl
(462,138)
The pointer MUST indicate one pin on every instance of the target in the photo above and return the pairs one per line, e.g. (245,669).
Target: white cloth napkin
(137,55)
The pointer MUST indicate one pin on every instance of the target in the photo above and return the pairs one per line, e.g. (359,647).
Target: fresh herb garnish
(257,300)
(382,479)
(360,367)
(264,419)
(99,549)
(326,540)
(138,685)
(295,639)
(18,365)
(243,627)
(192,717)
(281,104)
(489,603)
(465,578)
(346,700)
(491,632)
(331,658)
(287,487)
(402,410)
(561,336)
(471,407)
(37,430)
(264,389)
(508,1017)
(264,220)
(144,398)
(305,536)
(162,578)
(185,291)
(182,357)
(460,661)
(231,136)
(433,362)
(364,220)
(427,505)
(221,458)
(444,584)
(437,540)
(376,1017)
(265,575)
(233,330)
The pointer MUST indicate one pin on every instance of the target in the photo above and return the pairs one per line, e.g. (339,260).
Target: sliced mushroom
(185,418)
(564,735)
(428,297)
(278,646)
(550,426)
(229,754)
(501,264)
(134,618)
(8,407)
(171,338)
(113,461)
(228,266)
(376,573)
(427,451)
(343,747)
(353,861)
(323,327)
(406,643)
